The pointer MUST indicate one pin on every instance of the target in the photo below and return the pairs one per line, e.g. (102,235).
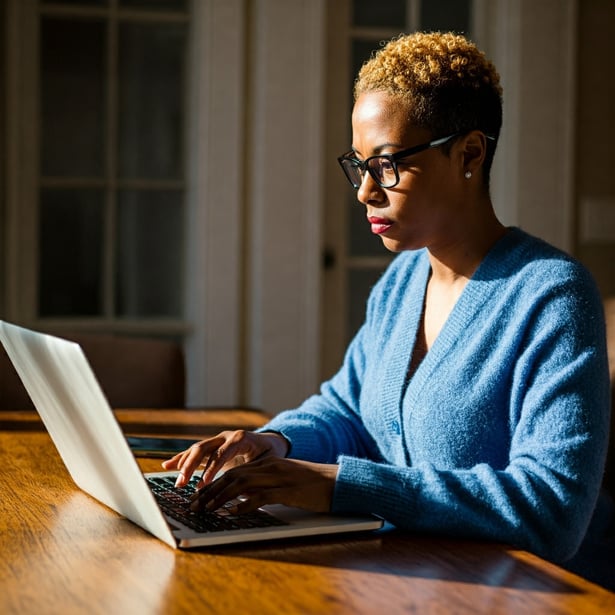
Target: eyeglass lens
(381,168)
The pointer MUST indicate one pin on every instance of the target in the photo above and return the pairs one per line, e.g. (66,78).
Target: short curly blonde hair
(446,82)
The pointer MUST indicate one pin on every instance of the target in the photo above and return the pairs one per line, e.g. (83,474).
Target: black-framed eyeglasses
(383,168)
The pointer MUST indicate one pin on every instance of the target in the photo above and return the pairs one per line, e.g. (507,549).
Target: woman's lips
(379,225)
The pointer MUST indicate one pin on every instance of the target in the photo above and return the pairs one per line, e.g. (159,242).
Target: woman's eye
(386,166)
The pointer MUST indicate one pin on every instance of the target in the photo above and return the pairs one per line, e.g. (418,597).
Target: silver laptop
(75,411)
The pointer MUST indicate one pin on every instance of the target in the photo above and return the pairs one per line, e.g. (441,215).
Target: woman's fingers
(231,486)
(189,460)
(224,451)
(235,445)
(270,481)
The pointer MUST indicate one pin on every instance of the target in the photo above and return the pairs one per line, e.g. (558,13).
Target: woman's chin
(392,245)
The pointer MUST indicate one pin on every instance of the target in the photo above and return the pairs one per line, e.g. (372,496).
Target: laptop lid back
(66,394)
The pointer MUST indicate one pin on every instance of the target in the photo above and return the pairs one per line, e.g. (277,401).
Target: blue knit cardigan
(502,431)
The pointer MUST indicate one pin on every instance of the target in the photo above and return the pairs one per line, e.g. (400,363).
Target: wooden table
(184,422)
(62,552)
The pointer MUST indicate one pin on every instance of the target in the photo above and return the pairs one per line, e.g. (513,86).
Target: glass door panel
(373,22)
(382,14)
(354,258)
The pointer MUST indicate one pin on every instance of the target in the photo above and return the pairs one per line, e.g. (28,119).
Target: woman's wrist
(280,445)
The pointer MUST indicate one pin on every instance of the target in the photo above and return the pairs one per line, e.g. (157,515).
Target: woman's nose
(369,192)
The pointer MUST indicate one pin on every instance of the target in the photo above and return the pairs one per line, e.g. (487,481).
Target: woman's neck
(454,262)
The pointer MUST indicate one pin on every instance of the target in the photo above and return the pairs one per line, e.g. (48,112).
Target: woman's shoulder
(532,277)
(533,261)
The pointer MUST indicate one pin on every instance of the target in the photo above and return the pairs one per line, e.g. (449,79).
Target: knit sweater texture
(501,432)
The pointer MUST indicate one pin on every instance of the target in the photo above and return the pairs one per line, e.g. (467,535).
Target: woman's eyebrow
(378,150)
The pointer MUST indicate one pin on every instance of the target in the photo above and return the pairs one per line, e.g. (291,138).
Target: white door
(353,258)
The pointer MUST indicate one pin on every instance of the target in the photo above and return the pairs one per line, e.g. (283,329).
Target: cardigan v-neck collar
(466,308)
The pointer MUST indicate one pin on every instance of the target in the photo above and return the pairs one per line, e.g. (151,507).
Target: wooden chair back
(134,372)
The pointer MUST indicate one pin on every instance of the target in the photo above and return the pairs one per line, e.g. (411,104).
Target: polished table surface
(62,552)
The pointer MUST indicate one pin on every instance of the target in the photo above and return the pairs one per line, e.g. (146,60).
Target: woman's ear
(473,149)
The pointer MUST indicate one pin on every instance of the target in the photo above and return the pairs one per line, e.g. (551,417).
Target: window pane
(70,261)
(149,257)
(151,84)
(165,5)
(453,15)
(78,2)
(72,98)
(380,14)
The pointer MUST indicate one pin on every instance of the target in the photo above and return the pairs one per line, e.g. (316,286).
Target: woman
(474,400)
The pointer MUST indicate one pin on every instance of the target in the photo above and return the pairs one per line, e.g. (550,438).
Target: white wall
(533,45)
(257,191)
(283,200)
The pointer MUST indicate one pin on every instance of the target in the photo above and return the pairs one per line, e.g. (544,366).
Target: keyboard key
(176,503)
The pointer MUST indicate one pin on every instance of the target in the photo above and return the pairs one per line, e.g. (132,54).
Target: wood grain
(62,552)
(196,421)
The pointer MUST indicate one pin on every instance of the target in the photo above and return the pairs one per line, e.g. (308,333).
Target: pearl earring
(468,174)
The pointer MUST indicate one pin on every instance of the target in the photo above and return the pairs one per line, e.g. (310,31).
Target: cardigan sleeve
(328,425)
(331,423)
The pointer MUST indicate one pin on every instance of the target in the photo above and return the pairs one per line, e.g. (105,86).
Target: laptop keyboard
(175,502)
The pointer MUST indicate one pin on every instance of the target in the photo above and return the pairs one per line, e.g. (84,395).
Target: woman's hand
(271,480)
(226,450)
